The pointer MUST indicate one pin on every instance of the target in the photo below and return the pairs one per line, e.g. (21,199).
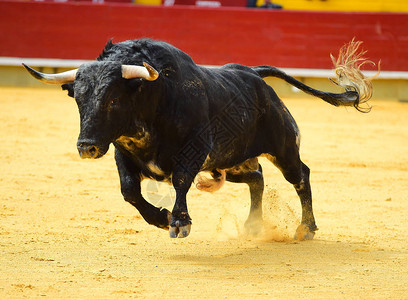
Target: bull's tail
(349,76)
(211,185)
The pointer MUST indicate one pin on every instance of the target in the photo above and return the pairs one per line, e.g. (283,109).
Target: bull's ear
(70,88)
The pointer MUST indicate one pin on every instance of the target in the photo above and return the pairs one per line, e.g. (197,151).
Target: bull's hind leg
(306,230)
(297,173)
(254,179)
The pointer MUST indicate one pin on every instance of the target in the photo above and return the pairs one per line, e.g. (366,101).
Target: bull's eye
(113,103)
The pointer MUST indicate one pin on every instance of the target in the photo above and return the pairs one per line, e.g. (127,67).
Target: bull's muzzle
(88,150)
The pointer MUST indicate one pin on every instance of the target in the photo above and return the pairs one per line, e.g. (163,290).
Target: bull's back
(237,104)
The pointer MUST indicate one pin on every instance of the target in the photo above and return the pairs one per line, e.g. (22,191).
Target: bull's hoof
(167,217)
(180,227)
(303,233)
(180,232)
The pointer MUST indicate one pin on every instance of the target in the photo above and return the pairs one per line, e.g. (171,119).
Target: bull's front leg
(130,186)
(187,166)
(180,224)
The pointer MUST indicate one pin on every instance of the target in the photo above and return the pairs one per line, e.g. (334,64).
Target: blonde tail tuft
(347,67)
(210,184)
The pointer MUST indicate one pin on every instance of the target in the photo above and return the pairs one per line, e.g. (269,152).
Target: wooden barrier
(291,39)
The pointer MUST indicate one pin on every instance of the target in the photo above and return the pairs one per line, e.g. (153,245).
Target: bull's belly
(231,165)
(229,159)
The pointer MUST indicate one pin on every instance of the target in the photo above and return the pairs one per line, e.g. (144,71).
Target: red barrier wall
(291,39)
(233,3)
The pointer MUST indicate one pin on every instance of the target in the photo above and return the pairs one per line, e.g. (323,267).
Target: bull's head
(104,92)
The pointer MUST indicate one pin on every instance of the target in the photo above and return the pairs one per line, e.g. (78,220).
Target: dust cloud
(278,225)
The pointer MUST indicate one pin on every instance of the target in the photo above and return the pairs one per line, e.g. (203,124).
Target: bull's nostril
(88,151)
(92,150)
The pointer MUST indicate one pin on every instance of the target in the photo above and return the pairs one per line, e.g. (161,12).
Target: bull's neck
(146,109)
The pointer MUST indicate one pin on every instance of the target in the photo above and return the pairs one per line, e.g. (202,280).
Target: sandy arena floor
(66,232)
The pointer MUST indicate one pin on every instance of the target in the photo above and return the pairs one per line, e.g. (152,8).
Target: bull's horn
(59,78)
(147,72)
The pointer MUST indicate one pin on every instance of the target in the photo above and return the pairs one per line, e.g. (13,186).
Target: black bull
(173,123)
